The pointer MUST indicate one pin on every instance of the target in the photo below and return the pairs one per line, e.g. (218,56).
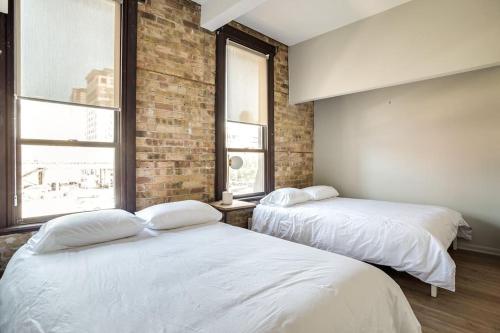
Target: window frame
(222,36)
(124,142)
(264,150)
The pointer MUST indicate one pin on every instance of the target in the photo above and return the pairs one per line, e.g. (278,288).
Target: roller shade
(69,51)
(4,6)
(246,85)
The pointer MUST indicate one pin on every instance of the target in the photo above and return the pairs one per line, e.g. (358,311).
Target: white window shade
(69,51)
(246,85)
(4,6)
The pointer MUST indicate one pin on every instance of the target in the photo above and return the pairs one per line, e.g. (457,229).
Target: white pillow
(84,229)
(178,214)
(321,192)
(285,197)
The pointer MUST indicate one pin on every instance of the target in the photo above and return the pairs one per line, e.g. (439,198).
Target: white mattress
(407,237)
(209,278)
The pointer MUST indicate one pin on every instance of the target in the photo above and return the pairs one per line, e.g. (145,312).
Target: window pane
(243,136)
(250,177)
(68,50)
(58,180)
(246,85)
(49,121)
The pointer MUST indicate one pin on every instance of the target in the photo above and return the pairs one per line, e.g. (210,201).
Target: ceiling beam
(216,13)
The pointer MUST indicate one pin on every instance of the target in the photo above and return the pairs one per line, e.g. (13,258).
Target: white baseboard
(478,248)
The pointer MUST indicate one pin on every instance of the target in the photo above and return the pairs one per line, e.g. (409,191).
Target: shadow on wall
(490,234)
(433,142)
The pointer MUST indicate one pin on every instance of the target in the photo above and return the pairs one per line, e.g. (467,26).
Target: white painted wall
(432,142)
(418,40)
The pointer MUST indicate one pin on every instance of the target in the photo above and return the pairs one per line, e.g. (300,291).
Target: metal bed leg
(455,244)
(434,291)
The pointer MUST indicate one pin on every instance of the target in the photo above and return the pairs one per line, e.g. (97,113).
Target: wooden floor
(474,307)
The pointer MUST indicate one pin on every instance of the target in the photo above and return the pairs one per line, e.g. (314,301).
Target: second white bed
(407,237)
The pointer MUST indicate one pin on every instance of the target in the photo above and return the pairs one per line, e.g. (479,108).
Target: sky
(61,42)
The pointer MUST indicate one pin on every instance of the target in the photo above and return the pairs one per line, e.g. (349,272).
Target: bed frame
(434,289)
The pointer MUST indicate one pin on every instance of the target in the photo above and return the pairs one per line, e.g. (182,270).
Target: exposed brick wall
(239,218)
(8,245)
(176,117)
(176,102)
(175,139)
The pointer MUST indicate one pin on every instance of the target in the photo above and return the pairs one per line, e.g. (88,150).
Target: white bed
(407,237)
(207,278)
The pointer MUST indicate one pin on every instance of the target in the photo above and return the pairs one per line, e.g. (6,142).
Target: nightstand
(237,207)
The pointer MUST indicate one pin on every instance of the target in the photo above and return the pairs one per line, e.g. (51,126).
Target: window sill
(34,223)
(18,229)
(251,198)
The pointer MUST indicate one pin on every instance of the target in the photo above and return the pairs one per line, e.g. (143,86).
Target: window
(244,124)
(69,117)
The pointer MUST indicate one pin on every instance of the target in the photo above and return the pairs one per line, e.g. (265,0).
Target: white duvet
(208,278)
(407,237)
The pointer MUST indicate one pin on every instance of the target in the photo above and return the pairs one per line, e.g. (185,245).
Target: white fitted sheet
(407,237)
(206,278)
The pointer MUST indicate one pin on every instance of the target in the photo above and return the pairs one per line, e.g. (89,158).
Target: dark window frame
(223,35)
(126,151)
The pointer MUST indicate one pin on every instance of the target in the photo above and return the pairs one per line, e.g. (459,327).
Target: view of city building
(100,91)
(76,178)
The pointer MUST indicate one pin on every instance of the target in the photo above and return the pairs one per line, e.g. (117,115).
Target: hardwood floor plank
(474,307)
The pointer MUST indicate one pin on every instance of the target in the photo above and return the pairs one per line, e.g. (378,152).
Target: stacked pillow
(321,192)
(100,226)
(88,228)
(286,197)
(178,214)
(85,229)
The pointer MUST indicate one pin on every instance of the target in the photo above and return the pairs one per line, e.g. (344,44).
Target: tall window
(244,114)
(68,124)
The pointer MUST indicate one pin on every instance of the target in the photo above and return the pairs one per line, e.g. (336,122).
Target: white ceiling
(294,21)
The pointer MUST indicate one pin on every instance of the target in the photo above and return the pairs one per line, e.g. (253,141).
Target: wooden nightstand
(236,206)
